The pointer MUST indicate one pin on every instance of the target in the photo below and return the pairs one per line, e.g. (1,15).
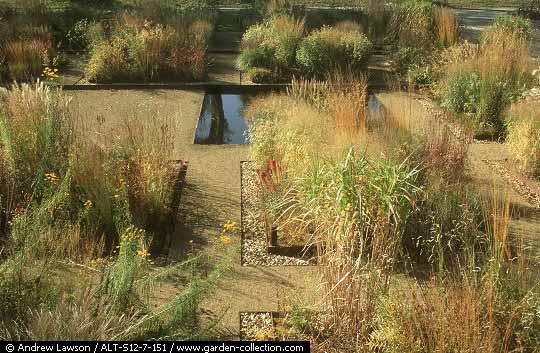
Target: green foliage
(461,92)
(529,8)
(65,202)
(406,57)
(302,318)
(495,96)
(422,75)
(261,75)
(34,141)
(446,231)
(120,279)
(328,49)
(19,297)
(78,38)
(272,46)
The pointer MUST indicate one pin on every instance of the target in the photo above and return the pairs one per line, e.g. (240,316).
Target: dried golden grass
(523,136)
(505,55)
(447,26)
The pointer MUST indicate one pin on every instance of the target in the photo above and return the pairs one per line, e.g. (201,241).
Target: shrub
(77,37)
(261,75)
(349,26)
(329,49)
(529,9)
(140,50)
(503,66)
(461,91)
(406,57)
(271,46)
(524,136)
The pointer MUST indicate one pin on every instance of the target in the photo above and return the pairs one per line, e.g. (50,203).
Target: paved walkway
(210,198)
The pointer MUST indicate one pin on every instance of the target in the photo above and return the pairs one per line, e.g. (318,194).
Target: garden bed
(255,246)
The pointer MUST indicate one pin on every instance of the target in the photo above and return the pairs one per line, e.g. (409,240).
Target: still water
(222,120)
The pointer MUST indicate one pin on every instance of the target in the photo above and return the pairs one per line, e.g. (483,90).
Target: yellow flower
(88,203)
(225,239)
(143,253)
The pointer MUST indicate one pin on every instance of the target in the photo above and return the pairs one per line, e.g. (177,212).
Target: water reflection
(376,112)
(222,120)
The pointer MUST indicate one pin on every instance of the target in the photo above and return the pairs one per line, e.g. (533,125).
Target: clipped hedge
(329,49)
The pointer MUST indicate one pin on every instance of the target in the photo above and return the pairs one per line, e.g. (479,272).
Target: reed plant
(447,26)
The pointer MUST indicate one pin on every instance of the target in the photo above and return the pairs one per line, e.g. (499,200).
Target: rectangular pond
(222,119)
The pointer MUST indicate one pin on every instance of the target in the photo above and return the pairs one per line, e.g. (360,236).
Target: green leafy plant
(268,50)
(329,49)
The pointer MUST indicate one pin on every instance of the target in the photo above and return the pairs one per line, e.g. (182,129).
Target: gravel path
(254,252)
(257,326)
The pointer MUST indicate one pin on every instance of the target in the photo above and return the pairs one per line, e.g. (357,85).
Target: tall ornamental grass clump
(36,132)
(268,50)
(24,52)
(485,85)
(333,49)
(411,24)
(417,31)
(140,50)
(524,136)
(497,296)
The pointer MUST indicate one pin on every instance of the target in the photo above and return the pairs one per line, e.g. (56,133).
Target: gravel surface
(521,188)
(254,252)
(256,326)
(455,127)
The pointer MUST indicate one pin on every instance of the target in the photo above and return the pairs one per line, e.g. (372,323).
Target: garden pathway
(210,198)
